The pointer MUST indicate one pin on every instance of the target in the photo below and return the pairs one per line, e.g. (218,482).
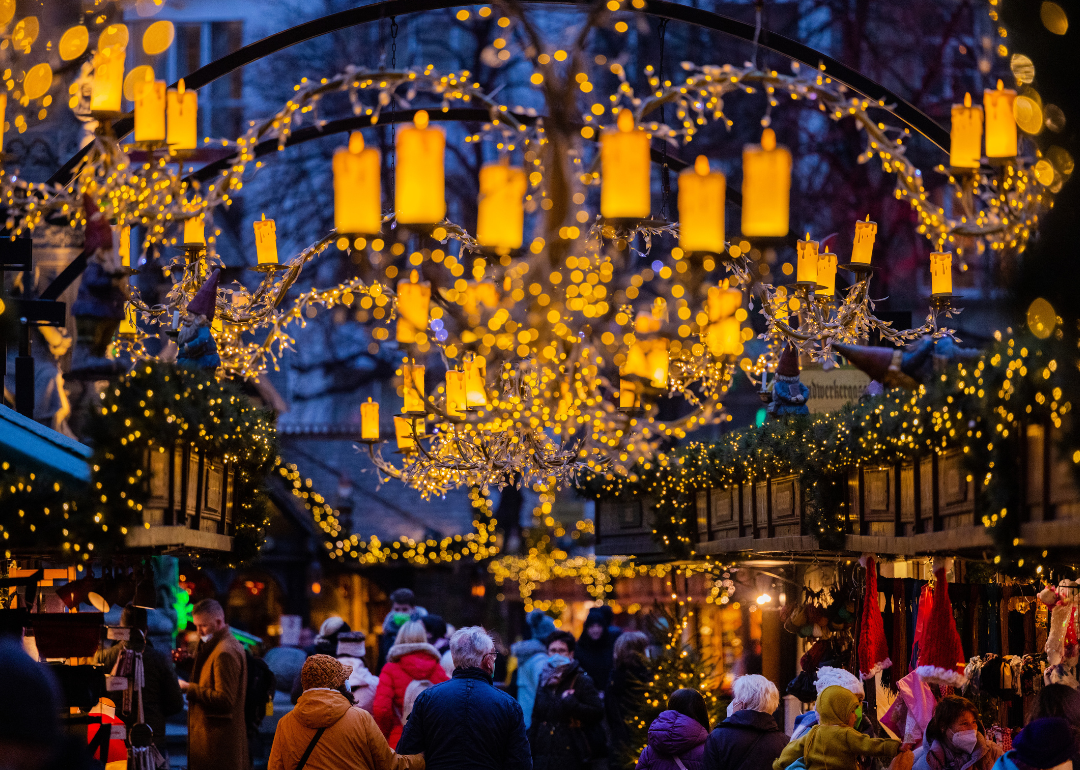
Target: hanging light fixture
(766,188)
(420,197)
(701,208)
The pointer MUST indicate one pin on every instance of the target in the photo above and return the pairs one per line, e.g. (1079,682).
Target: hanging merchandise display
(873,648)
(1062,648)
(941,654)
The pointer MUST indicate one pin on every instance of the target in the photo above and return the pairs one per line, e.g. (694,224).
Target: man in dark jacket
(749,738)
(467,722)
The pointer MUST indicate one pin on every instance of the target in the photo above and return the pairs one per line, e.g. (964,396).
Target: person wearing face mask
(566,732)
(1047,743)
(953,740)
(749,739)
(217,729)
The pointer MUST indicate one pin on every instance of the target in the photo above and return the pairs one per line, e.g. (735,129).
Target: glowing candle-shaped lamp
(766,188)
(3,117)
(965,136)
(806,267)
(723,335)
(128,324)
(183,118)
(625,191)
(500,223)
(107,83)
(413,303)
(941,272)
(413,388)
(628,396)
(658,361)
(863,248)
(194,232)
(357,188)
(1000,122)
(701,208)
(420,194)
(369,420)
(826,274)
(476,382)
(150,110)
(403,430)
(123,244)
(456,401)
(266,241)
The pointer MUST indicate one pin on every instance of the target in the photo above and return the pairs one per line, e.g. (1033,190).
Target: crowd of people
(441,700)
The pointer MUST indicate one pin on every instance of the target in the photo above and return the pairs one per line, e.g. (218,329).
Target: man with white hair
(467,722)
(749,739)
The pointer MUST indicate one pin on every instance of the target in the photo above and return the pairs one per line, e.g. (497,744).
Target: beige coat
(352,740)
(217,731)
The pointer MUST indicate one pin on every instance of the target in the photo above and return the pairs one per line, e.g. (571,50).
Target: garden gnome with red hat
(197,346)
(99,305)
(788,393)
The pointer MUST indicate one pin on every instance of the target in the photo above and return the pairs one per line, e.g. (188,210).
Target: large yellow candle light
(863,248)
(1000,122)
(413,388)
(826,274)
(628,397)
(701,208)
(500,224)
(369,420)
(659,361)
(357,188)
(420,194)
(123,244)
(194,232)
(150,110)
(183,118)
(724,338)
(722,302)
(965,137)
(766,188)
(625,163)
(413,304)
(941,272)
(806,267)
(403,430)
(107,83)
(266,241)
(3,117)
(476,382)
(456,401)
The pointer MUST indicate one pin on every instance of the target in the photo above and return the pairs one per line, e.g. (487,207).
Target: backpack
(259,693)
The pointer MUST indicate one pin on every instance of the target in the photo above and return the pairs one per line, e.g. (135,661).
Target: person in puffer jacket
(409,659)
(677,736)
(531,655)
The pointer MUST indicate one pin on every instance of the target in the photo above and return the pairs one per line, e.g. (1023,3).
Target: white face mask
(733,707)
(965,740)
(205,639)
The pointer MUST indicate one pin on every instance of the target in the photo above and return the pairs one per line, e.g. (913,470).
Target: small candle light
(806,267)
(1000,122)
(369,420)
(413,304)
(965,136)
(724,338)
(150,110)
(266,241)
(941,272)
(826,274)
(107,83)
(413,389)
(863,248)
(129,326)
(766,187)
(3,117)
(476,382)
(628,397)
(183,118)
(122,235)
(357,188)
(659,361)
(194,232)
(625,166)
(722,301)
(500,223)
(403,430)
(701,208)
(420,194)
(456,401)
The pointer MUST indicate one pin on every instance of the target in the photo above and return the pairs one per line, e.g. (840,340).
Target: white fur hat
(828,676)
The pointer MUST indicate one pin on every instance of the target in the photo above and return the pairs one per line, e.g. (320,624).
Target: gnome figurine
(99,305)
(788,393)
(197,347)
(908,367)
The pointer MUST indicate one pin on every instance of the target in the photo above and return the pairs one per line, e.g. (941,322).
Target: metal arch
(903,110)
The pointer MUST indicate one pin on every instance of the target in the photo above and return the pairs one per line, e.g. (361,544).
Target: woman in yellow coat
(340,736)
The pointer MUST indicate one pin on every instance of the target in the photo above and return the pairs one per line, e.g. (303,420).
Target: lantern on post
(1000,122)
(625,165)
(357,188)
(965,135)
(420,193)
(701,208)
(500,223)
(766,188)
(182,107)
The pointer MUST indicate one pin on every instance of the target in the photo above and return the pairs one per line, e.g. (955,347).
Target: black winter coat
(746,740)
(567,732)
(466,722)
(161,692)
(626,689)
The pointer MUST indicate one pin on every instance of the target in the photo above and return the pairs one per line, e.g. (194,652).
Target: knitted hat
(98,233)
(29,698)
(205,300)
(789,362)
(827,676)
(323,671)
(542,626)
(873,650)
(882,364)
(941,655)
(1045,743)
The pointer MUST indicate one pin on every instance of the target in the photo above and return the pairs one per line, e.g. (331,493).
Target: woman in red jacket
(410,659)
